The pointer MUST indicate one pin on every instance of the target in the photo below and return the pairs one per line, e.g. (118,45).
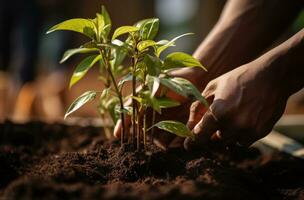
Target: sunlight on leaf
(145,44)
(84,26)
(180,59)
(80,101)
(123,30)
(175,127)
(72,52)
(83,67)
(148,28)
(183,87)
(107,20)
(160,49)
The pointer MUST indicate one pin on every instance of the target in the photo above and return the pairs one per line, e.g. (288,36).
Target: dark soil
(43,161)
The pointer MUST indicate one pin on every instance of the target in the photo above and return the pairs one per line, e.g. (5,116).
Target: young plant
(146,71)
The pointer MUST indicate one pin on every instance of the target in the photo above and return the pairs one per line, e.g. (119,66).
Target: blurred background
(33,85)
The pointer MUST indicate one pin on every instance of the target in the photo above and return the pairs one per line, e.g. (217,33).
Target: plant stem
(145,128)
(122,117)
(134,105)
(138,129)
(153,122)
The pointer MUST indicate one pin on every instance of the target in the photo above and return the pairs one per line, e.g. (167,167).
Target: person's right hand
(246,103)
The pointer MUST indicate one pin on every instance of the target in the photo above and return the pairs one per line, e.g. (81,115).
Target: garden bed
(53,161)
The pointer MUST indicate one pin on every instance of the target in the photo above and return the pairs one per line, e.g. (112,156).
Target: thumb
(197,111)
(203,131)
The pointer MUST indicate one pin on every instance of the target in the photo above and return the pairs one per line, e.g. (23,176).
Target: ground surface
(42,161)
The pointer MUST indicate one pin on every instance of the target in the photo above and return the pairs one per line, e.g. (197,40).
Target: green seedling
(135,58)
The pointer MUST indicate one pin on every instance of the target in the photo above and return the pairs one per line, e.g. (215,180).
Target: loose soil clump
(56,161)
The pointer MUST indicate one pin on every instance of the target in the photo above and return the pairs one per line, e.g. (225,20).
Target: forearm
(284,65)
(245,29)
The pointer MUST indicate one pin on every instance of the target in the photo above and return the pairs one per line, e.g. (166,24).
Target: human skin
(247,101)
(245,29)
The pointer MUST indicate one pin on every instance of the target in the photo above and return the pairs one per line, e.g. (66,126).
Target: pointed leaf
(153,84)
(145,44)
(123,30)
(164,47)
(80,101)
(173,86)
(165,102)
(83,67)
(175,127)
(100,25)
(84,26)
(148,28)
(107,20)
(183,87)
(72,52)
(190,89)
(179,60)
(163,42)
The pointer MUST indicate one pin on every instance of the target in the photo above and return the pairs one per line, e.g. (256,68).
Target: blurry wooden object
(285,144)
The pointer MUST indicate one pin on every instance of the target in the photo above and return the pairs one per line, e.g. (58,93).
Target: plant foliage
(130,54)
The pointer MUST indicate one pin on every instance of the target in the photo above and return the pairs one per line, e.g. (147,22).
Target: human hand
(245,104)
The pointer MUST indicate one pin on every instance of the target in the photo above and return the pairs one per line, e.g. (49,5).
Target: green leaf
(80,101)
(100,25)
(179,60)
(183,87)
(153,84)
(148,28)
(172,85)
(119,53)
(72,52)
(107,20)
(164,47)
(83,67)
(154,104)
(191,90)
(175,127)
(123,30)
(153,65)
(165,102)
(84,26)
(163,42)
(145,44)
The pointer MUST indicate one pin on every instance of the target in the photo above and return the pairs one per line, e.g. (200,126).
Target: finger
(197,111)
(203,131)
(118,126)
